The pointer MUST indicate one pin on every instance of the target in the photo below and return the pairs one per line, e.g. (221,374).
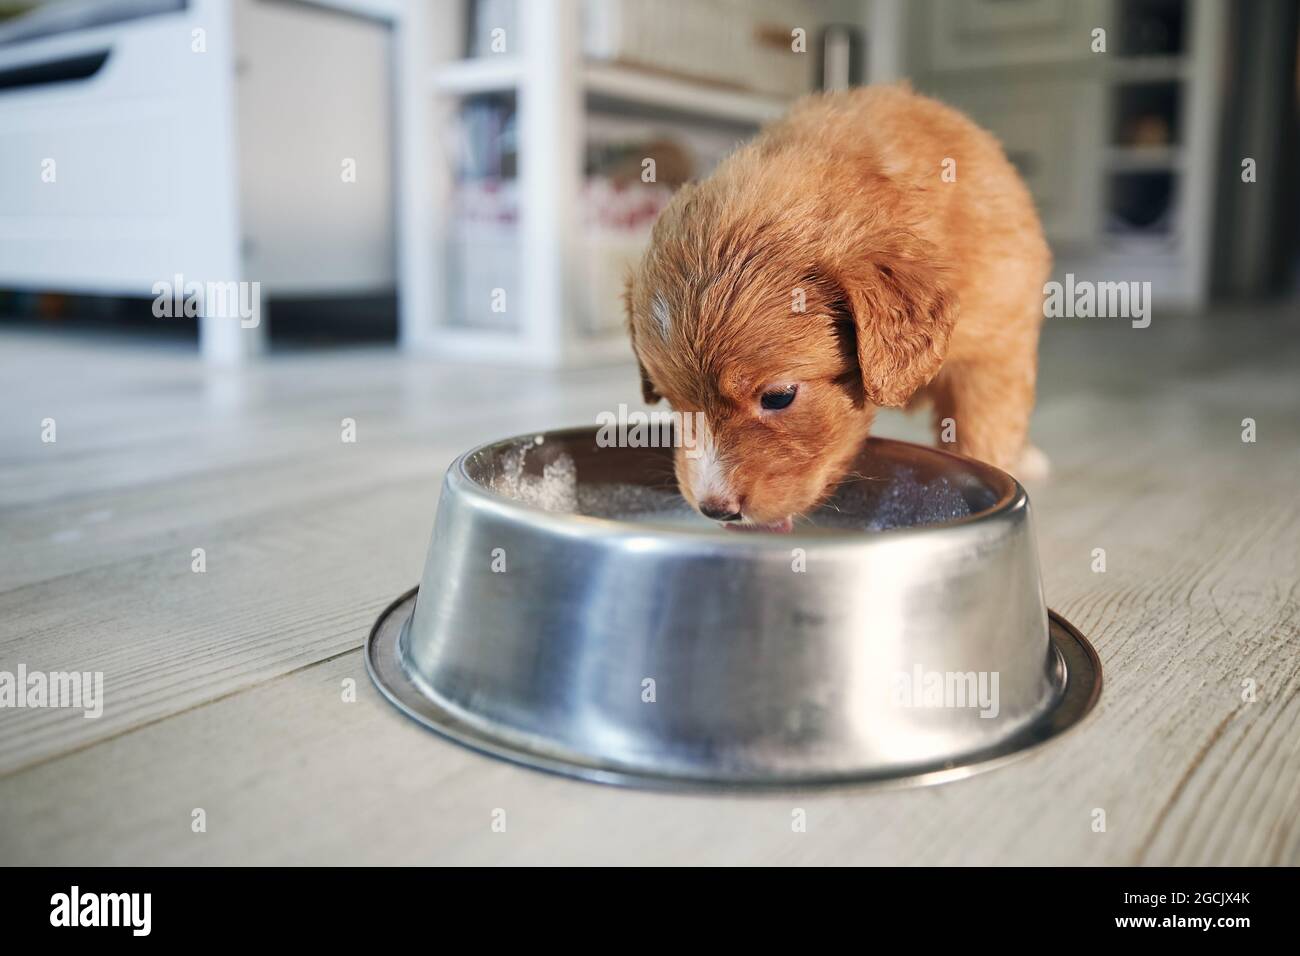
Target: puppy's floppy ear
(648,393)
(903,313)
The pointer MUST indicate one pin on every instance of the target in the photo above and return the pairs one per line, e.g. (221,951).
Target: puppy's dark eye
(774,401)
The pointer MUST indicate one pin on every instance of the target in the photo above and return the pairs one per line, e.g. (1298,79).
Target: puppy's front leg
(982,409)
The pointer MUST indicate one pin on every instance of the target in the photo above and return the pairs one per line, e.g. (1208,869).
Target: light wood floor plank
(224,689)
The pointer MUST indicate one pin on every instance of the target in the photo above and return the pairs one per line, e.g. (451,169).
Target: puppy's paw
(1034,465)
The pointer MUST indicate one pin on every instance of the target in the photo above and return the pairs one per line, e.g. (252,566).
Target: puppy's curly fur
(832,254)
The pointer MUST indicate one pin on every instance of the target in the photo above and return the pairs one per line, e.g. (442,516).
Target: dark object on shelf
(1147,114)
(1142,201)
(1150,130)
(1151,27)
(487,142)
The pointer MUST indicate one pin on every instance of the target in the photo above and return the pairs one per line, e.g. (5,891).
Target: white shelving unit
(555,87)
(1028,72)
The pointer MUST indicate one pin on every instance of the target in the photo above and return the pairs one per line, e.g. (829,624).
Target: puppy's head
(777,337)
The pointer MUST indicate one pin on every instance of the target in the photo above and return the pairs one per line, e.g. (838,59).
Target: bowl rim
(1014,499)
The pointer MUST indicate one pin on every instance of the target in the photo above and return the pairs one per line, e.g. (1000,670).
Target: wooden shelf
(1138,159)
(482,74)
(681,96)
(1147,69)
(685,97)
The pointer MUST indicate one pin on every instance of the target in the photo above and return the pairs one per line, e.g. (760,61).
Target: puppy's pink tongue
(784,526)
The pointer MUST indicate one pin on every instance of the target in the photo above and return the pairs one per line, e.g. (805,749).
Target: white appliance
(218,140)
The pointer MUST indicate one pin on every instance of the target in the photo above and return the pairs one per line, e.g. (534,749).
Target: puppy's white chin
(784,526)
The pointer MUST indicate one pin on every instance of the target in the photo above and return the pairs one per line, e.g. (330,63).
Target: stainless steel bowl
(574,617)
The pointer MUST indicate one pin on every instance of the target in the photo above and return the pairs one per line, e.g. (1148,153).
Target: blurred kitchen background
(464,178)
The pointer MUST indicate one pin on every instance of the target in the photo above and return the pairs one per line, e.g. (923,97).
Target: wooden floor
(225,690)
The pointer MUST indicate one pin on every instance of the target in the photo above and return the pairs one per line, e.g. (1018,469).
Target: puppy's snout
(719,510)
(706,476)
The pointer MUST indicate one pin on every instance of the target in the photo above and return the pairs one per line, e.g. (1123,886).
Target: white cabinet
(210,143)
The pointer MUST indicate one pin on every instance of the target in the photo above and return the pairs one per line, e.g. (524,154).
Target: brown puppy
(830,267)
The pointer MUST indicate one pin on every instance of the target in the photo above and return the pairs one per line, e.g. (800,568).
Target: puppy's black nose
(718,512)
